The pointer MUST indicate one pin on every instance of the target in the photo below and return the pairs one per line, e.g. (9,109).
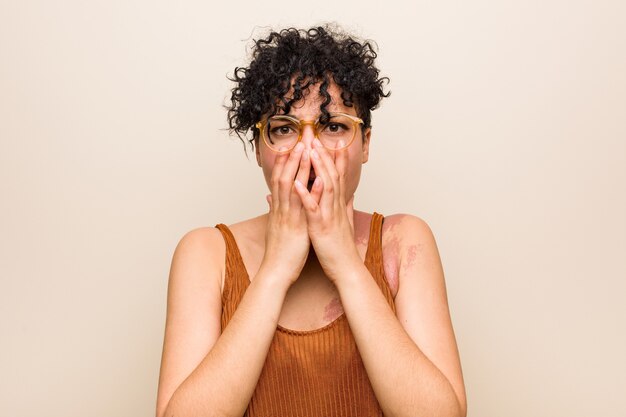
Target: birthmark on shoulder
(412,256)
(391,222)
(333,309)
(391,255)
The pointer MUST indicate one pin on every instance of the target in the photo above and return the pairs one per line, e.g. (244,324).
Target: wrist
(275,277)
(346,270)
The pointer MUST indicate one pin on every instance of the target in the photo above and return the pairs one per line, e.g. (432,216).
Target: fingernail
(299,147)
(315,154)
(340,144)
(282,148)
(317,142)
(305,156)
(318,182)
(298,184)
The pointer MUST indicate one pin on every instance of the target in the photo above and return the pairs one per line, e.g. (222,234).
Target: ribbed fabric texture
(309,373)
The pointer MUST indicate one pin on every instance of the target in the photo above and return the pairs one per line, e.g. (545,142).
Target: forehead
(309,105)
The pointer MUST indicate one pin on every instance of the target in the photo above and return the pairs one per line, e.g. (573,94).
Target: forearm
(405,381)
(223,383)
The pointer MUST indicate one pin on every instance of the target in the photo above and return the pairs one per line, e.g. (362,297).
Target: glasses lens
(281,132)
(337,128)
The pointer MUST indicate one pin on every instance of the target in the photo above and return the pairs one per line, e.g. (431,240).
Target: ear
(366,144)
(257,151)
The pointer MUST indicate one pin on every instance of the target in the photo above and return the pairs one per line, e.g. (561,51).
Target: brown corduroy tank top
(309,373)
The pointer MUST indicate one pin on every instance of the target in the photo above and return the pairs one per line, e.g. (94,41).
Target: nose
(308,135)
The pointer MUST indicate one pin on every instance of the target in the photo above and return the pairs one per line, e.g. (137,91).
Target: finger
(341,164)
(288,174)
(303,174)
(268,198)
(279,164)
(325,167)
(317,189)
(311,208)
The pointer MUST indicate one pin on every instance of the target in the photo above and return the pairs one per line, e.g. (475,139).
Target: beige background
(505,131)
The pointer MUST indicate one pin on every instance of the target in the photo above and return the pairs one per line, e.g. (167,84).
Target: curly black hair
(305,57)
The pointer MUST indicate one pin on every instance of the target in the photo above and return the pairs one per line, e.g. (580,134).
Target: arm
(229,364)
(204,373)
(414,369)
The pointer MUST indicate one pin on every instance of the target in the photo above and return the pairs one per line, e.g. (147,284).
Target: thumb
(268,198)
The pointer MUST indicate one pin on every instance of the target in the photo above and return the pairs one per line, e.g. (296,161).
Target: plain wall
(505,131)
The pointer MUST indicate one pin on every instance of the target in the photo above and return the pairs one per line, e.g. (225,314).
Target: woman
(313,308)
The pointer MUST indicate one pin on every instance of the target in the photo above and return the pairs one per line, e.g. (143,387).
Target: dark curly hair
(307,57)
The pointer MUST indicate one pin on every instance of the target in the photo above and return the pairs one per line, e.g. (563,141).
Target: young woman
(313,308)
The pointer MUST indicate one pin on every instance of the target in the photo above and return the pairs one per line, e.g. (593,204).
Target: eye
(335,127)
(283,130)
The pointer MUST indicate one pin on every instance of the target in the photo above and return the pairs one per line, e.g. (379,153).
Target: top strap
(374,246)
(231,245)
(374,257)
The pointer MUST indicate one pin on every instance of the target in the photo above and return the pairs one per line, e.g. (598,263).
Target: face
(309,109)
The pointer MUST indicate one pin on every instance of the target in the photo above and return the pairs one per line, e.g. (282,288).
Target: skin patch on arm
(390,263)
(411,254)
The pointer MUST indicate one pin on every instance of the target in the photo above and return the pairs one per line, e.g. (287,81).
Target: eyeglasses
(286,131)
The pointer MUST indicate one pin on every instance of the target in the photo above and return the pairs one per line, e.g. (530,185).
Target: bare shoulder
(411,233)
(197,268)
(203,249)
(207,244)
(402,235)
(403,224)
(201,238)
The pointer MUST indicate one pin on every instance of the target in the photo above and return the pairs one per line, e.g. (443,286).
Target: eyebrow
(295,117)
